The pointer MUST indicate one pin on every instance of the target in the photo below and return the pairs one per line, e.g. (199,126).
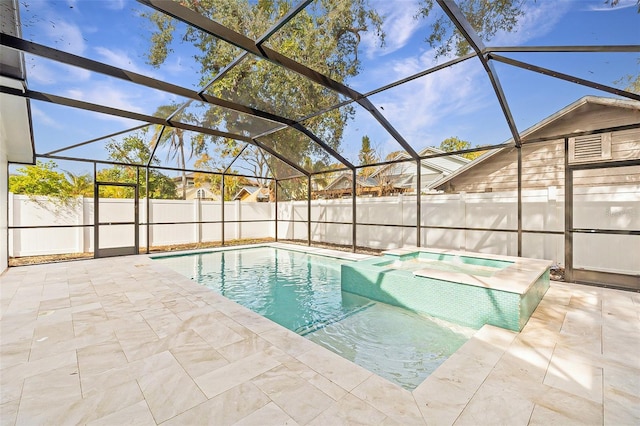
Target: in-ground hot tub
(470,289)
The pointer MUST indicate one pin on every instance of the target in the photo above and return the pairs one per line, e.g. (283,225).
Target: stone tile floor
(127,341)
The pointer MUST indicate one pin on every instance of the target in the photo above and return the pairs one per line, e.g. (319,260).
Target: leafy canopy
(41,179)
(325,37)
(456,144)
(135,150)
(367,155)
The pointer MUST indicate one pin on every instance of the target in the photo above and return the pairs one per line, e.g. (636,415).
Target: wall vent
(590,148)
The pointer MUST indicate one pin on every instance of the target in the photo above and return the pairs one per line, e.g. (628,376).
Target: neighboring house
(253,194)
(402,177)
(202,192)
(396,178)
(544,161)
(341,187)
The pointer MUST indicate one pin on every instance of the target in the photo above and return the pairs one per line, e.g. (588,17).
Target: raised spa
(470,289)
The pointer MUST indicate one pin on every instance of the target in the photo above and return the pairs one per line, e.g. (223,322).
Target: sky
(458,101)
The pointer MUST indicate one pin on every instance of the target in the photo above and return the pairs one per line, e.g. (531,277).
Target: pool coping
(293,247)
(516,278)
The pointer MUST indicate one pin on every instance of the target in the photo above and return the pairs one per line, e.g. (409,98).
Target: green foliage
(614,3)
(324,37)
(41,179)
(486,17)
(232,184)
(135,150)
(454,143)
(630,82)
(174,137)
(80,185)
(366,156)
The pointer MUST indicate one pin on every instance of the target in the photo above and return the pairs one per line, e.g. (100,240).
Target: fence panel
(543,211)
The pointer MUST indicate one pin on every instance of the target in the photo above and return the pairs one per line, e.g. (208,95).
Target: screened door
(116,219)
(606,225)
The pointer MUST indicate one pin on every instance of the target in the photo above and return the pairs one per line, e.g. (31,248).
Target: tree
(135,150)
(366,156)
(80,185)
(614,3)
(40,179)
(630,82)
(232,184)
(175,138)
(454,143)
(486,17)
(325,37)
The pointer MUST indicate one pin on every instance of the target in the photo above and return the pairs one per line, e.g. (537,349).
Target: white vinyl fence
(383,222)
(169,215)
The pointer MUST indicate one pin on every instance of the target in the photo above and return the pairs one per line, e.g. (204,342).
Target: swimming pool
(302,292)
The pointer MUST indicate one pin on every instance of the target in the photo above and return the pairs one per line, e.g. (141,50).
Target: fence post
(79,212)
(197,217)
(238,219)
(11,212)
(551,222)
(463,208)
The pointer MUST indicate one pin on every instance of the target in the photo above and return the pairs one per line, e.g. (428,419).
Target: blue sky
(456,102)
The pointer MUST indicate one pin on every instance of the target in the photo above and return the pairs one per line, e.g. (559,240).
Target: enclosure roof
(275,90)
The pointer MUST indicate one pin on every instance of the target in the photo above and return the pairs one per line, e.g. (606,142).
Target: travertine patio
(125,340)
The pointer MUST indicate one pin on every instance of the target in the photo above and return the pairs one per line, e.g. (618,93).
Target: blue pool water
(302,292)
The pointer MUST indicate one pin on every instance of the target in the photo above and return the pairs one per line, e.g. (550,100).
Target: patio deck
(125,340)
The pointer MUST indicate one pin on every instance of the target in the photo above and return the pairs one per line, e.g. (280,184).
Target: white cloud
(114,4)
(43,118)
(176,66)
(600,7)
(399,26)
(41,71)
(428,109)
(119,58)
(108,95)
(66,36)
(538,20)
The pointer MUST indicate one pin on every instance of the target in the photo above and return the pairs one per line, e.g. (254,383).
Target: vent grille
(590,148)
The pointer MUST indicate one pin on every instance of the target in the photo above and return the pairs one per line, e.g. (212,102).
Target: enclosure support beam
(74,103)
(418,202)
(96,218)
(136,228)
(147,207)
(568,215)
(222,209)
(203,23)
(519,150)
(565,77)
(458,18)
(354,187)
(275,192)
(309,210)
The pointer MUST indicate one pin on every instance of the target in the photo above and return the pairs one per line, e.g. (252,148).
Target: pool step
(310,328)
